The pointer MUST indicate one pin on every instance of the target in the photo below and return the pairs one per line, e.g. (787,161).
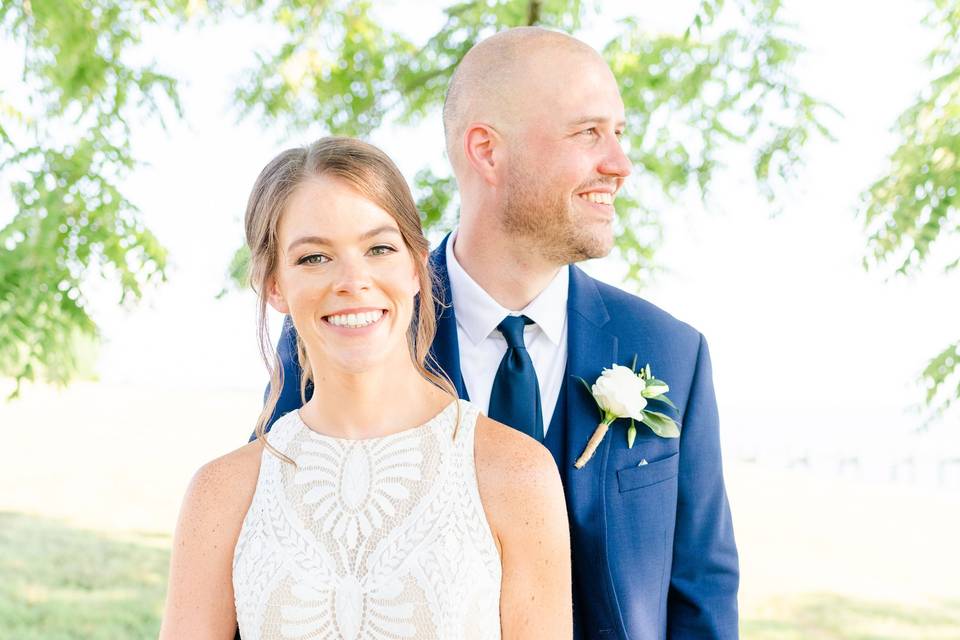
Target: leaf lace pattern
(377,539)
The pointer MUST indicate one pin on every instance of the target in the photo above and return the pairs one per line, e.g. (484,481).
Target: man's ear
(275,298)
(481,142)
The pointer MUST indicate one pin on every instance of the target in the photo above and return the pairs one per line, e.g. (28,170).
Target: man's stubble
(546,220)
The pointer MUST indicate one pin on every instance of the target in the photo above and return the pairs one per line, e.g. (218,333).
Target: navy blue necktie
(515,397)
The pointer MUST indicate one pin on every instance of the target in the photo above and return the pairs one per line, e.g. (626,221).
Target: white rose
(620,391)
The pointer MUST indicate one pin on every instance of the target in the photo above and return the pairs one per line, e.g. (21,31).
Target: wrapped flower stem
(592,444)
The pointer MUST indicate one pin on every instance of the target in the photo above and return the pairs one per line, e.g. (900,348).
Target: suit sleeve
(702,601)
(289,399)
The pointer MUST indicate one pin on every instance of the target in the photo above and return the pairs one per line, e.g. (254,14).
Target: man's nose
(615,162)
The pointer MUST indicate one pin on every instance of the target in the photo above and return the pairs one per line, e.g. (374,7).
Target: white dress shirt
(482,346)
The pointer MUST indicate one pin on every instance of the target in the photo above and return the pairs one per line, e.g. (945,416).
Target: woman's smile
(355,322)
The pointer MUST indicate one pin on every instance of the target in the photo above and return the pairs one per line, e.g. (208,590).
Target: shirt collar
(479,314)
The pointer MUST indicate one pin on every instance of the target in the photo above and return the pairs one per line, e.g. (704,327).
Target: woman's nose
(352,276)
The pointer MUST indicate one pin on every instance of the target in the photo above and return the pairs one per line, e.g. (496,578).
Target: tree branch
(533,15)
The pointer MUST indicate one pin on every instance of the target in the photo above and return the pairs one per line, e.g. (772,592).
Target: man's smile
(597,197)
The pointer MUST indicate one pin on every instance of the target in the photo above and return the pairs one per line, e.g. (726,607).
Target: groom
(532,121)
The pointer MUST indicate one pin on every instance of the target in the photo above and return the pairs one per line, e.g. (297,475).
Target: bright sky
(810,352)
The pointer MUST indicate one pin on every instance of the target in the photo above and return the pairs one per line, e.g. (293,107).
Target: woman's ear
(425,262)
(275,297)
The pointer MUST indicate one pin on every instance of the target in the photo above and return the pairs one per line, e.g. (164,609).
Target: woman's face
(345,276)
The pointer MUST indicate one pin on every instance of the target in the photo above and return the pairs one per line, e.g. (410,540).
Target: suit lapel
(445,349)
(589,349)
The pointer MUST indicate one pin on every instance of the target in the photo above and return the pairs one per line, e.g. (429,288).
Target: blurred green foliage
(65,154)
(725,81)
(914,207)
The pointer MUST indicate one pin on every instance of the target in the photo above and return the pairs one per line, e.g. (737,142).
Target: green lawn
(823,616)
(60,583)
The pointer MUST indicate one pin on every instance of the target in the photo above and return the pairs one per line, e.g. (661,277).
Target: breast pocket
(651,473)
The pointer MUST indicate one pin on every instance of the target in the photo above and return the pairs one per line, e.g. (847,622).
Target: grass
(820,557)
(824,616)
(62,583)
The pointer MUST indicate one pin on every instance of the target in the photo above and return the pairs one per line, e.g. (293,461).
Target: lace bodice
(382,538)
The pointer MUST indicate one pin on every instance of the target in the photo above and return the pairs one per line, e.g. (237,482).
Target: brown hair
(370,171)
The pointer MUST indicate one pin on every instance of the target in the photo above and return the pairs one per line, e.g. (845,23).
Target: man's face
(565,164)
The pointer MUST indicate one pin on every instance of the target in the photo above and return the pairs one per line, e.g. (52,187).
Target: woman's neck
(371,403)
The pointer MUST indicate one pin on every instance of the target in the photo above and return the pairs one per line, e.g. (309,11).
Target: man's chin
(586,251)
(597,246)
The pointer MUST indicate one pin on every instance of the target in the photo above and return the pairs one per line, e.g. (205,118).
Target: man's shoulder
(627,310)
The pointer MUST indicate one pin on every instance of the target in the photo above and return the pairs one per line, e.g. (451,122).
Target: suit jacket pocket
(638,477)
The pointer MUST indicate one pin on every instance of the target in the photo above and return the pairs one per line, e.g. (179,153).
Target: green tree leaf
(341,67)
(685,97)
(72,219)
(913,207)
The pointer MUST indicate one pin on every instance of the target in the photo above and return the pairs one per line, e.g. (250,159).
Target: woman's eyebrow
(321,240)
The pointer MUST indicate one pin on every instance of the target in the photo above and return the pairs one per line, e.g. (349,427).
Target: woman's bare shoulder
(240,466)
(200,592)
(523,498)
(517,477)
(514,456)
(221,490)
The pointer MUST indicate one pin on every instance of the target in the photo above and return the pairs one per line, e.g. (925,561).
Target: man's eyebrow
(591,119)
(363,236)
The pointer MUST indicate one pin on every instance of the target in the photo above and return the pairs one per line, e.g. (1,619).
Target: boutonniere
(622,392)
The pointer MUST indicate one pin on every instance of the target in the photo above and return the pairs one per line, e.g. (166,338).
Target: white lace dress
(382,538)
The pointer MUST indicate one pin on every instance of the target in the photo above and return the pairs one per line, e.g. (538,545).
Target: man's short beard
(546,223)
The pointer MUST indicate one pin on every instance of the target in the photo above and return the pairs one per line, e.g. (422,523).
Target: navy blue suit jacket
(653,548)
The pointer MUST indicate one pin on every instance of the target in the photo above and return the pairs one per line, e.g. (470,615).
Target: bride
(385,507)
